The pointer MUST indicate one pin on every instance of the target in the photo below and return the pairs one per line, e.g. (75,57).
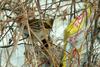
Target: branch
(7,46)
